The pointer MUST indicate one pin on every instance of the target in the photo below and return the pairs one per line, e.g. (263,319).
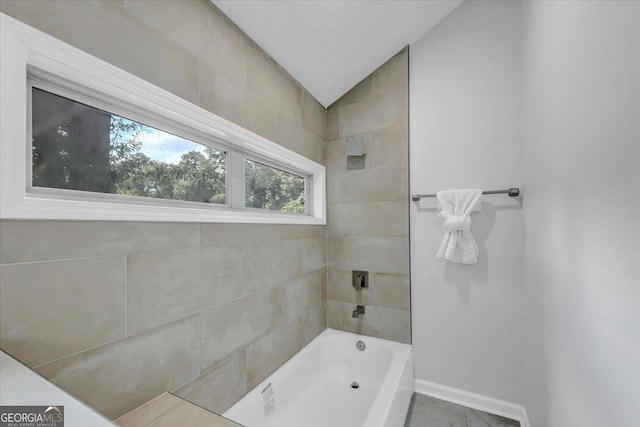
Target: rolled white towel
(455,206)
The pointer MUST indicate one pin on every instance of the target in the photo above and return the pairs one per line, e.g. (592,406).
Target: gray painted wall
(465,133)
(582,247)
(118,313)
(549,317)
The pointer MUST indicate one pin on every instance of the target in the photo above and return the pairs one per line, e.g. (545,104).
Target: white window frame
(28,55)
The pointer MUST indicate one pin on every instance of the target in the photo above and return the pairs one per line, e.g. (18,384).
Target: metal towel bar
(512,192)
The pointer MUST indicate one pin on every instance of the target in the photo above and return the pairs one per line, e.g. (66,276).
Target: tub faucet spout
(358,311)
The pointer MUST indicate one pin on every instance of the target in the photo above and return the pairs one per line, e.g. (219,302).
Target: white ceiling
(329,46)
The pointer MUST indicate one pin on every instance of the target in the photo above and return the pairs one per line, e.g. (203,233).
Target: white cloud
(165,147)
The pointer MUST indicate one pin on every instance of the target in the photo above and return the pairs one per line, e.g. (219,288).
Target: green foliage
(296,206)
(87,149)
(197,177)
(270,188)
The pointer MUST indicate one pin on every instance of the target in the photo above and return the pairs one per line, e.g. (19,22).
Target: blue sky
(165,147)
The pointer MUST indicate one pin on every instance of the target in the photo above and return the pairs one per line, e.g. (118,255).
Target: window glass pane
(77,147)
(270,188)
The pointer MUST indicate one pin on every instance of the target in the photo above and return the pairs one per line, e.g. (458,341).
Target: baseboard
(473,400)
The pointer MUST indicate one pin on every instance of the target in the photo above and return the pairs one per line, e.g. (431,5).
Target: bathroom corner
(368,211)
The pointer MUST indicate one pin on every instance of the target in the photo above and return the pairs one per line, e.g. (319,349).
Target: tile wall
(368,218)
(118,313)
(135,309)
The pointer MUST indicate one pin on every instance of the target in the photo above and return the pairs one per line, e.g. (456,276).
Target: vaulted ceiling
(329,46)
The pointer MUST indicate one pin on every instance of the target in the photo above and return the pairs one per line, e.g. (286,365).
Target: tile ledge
(184,405)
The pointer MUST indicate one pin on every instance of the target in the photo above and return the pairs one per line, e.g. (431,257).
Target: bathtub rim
(386,398)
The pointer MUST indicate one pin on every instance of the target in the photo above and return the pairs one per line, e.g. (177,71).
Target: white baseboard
(474,401)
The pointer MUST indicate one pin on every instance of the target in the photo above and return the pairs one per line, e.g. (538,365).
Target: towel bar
(512,192)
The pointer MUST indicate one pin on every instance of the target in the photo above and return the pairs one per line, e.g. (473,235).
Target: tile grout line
(115,254)
(245,296)
(40,365)
(64,259)
(200,351)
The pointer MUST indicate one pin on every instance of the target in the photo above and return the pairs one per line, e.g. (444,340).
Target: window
(84,140)
(270,188)
(81,148)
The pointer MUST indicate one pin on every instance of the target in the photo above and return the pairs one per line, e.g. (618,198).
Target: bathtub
(314,388)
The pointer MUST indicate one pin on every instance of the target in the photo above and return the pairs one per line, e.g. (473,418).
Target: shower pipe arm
(512,192)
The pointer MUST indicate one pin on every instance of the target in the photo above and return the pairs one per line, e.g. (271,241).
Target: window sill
(32,208)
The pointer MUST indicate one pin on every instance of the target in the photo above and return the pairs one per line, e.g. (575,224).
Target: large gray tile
(314,116)
(368,185)
(106,30)
(266,355)
(201,30)
(376,114)
(24,241)
(321,147)
(323,283)
(221,95)
(392,76)
(293,232)
(196,416)
(373,254)
(272,84)
(298,139)
(300,295)
(229,99)
(273,263)
(332,124)
(218,388)
(385,323)
(391,291)
(314,254)
(118,377)
(349,220)
(229,327)
(334,315)
(53,309)
(262,119)
(164,286)
(150,411)
(313,323)
(334,252)
(390,148)
(340,288)
(232,234)
(358,93)
(390,219)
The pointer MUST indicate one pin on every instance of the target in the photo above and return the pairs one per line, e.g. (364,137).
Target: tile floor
(428,411)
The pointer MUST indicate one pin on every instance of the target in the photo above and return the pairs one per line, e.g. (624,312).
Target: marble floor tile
(426,411)
(483,419)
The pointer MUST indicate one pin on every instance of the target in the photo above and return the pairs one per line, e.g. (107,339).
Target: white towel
(455,207)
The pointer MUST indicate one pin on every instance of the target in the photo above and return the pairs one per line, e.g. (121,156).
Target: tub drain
(355,385)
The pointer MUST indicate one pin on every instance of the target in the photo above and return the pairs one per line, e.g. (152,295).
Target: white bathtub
(313,389)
